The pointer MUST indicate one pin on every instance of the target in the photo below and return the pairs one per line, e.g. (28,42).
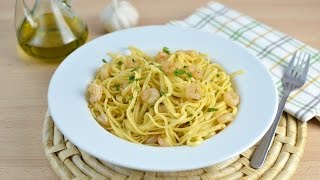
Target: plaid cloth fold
(272,47)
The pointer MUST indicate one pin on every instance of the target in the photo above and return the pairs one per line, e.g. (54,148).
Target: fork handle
(260,153)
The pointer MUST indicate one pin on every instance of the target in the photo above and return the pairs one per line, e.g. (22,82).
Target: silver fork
(295,76)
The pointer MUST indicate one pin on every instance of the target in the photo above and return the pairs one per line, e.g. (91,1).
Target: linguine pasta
(172,99)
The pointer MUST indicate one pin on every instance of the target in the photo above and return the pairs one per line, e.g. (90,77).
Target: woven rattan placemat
(69,162)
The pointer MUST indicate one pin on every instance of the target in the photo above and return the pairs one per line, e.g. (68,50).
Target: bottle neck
(46,6)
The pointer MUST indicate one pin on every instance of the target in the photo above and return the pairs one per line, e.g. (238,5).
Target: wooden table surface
(24,82)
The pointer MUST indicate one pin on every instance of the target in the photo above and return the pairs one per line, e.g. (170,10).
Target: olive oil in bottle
(52,35)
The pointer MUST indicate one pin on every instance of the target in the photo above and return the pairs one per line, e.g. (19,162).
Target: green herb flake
(134,69)
(179,72)
(218,75)
(185,67)
(137,88)
(133,60)
(160,67)
(131,78)
(162,93)
(189,74)
(103,60)
(212,109)
(117,87)
(119,63)
(131,97)
(137,79)
(166,50)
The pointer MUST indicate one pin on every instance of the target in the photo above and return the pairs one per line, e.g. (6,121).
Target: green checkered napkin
(272,47)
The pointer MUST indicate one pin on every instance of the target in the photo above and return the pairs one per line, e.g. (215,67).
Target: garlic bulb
(120,14)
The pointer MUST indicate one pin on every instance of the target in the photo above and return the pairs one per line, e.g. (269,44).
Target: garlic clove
(119,15)
(123,21)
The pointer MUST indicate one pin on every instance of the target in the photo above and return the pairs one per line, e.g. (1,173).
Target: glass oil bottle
(50,29)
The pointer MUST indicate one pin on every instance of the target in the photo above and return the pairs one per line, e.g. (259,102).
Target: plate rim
(134,166)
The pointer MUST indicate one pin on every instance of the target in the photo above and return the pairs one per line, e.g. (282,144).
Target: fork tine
(305,70)
(297,69)
(290,65)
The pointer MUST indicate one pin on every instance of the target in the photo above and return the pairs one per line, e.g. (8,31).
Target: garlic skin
(119,14)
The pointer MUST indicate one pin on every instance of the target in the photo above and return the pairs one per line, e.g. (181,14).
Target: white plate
(69,107)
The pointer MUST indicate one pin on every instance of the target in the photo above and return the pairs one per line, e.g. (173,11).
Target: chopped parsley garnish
(117,87)
(189,74)
(133,60)
(137,79)
(103,60)
(218,75)
(131,78)
(160,67)
(166,50)
(119,63)
(134,69)
(212,109)
(131,97)
(179,72)
(162,93)
(137,88)
(185,66)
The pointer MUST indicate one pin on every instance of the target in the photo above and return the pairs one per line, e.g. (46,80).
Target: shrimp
(103,120)
(162,108)
(104,72)
(152,140)
(132,63)
(193,91)
(231,98)
(150,96)
(161,142)
(161,57)
(225,118)
(196,72)
(169,67)
(95,91)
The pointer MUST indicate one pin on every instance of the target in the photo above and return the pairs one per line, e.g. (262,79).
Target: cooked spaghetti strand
(168,100)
